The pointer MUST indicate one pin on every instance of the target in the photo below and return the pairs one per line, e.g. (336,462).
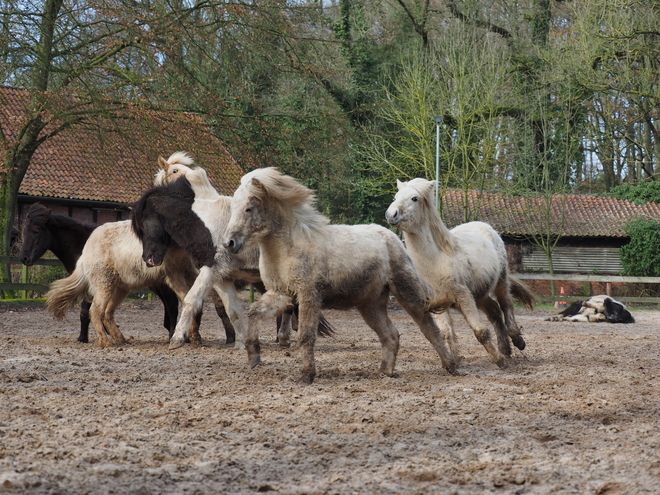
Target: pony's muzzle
(392,216)
(27,261)
(233,245)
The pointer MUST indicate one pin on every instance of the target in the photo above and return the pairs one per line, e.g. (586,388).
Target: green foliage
(641,256)
(641,193)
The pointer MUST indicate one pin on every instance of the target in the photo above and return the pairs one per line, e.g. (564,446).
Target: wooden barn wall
(601,256)
(601,260)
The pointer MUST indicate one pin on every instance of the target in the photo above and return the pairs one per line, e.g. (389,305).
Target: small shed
(590,229)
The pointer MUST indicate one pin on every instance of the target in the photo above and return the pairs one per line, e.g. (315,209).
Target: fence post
(24,280)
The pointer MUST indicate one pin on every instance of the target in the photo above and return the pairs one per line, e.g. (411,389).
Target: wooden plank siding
(567,259)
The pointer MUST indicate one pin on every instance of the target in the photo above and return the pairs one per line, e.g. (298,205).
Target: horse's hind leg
(411,294)
(494,314)
(84,322)
(416,308)
(375,315)
(108,315)
(230,333)
(505,300)
(95,314)
(234,307)
(284,323)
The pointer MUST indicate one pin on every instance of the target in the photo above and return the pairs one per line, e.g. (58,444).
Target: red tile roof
(115,160)
(577,215)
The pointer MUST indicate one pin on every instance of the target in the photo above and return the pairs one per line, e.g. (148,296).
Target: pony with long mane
(109,267)
(306,260)
(65,237)
(463,266)
(213,209)
(163,218)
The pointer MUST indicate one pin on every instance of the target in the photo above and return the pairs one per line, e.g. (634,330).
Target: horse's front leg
(270,305)
(192,304)
(446,325)
(227,292)
(468,308)
(308,321)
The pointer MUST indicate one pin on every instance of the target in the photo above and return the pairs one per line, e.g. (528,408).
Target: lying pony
(594,309)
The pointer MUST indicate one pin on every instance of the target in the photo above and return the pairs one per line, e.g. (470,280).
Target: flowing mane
(201,184)
(40,215)
(180,158)
(441,235)
(287,194)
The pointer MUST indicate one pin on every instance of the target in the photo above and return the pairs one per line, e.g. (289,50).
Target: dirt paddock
(578,412)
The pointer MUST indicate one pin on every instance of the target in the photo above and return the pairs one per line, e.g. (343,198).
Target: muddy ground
(578,412)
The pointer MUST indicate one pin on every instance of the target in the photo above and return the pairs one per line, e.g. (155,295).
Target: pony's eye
(174,171)
(248,209)
(415,199)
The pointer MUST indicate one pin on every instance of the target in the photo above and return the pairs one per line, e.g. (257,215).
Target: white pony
(464,266)
(214,210)
(317,265)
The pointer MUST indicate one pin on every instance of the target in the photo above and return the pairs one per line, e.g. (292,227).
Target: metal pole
(437,160)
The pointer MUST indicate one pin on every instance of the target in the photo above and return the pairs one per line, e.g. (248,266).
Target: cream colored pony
(213,209)
(317,265)
(464,266)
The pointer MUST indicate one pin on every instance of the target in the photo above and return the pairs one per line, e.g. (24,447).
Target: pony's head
(412,202)
(267,200)
(414,210)
(149,229)
(176,166)
(37,237)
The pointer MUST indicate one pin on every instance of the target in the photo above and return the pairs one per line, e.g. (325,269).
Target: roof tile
(571,215)
(115,160)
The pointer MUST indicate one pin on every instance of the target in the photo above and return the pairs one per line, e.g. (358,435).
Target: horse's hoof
(230,340)
(255,362)
(175,344)
(453,371)
(503,363)
(284,343)
(307,377)
(519,342)
(239,345)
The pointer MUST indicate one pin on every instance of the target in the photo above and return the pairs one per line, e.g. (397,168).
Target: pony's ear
(400,185)
(162,163)
(258,188)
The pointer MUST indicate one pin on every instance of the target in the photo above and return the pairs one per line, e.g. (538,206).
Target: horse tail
(65,293)
(521,292)
(325,328)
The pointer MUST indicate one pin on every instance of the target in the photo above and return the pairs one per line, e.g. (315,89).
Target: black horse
(65,237)
(163,218)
